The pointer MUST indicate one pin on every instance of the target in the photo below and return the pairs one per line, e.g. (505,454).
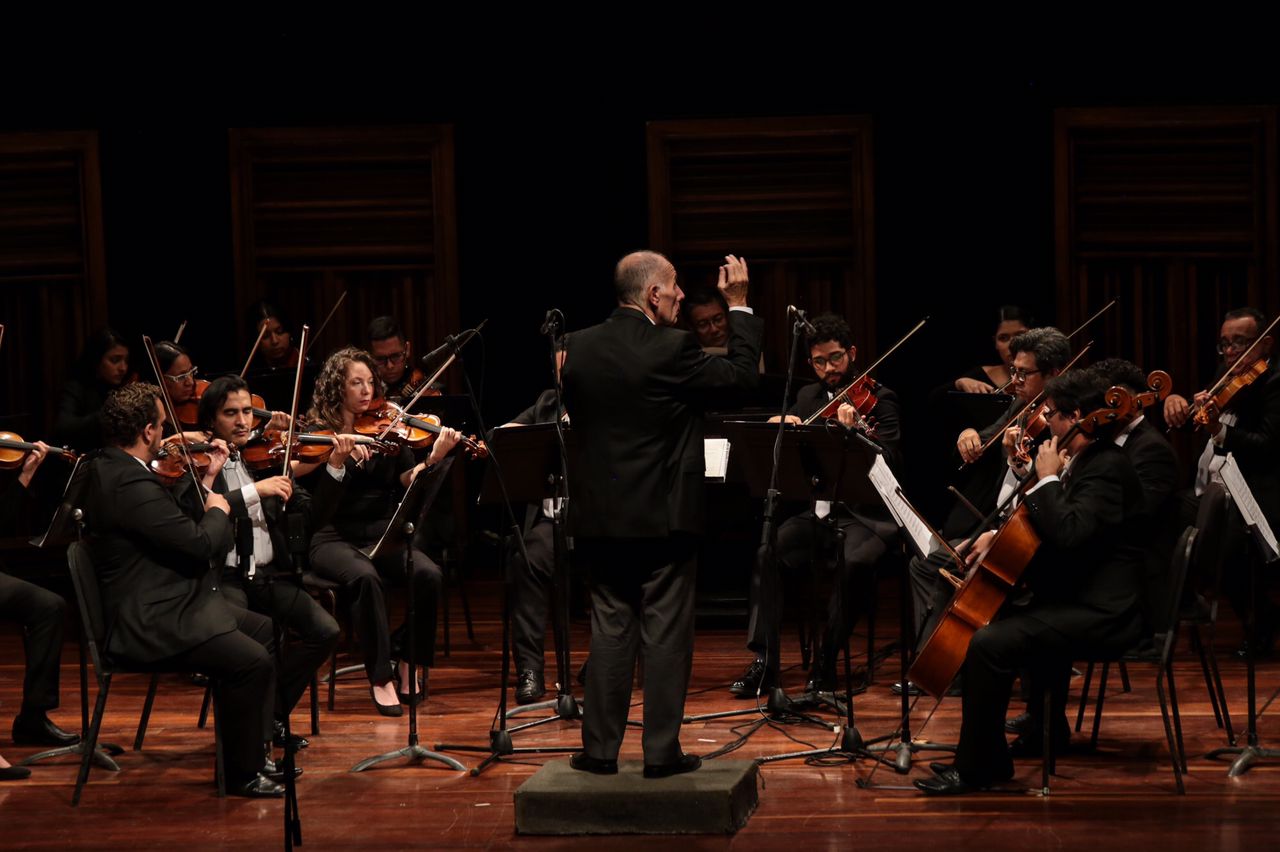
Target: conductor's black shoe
(299,743)
(754,680)
(275,771)
(38,729)
(686,763)
(912,689)
(257,787)
(947,783)
(938,768)
(1019,724)
(583,763)
(530,687)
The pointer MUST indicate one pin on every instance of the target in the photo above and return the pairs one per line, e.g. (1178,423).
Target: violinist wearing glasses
(868,530)
(1242,417)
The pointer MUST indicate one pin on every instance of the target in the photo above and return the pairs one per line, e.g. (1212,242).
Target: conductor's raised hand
(733,281)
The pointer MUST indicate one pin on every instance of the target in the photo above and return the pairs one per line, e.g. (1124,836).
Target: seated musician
(40,613)
(102,367)
(258,572)
(394,356)
(1248,428)
(160,595)
(276,351)
(179,372)
(1011,321)
(532,582)
(371,488)
(805,538)
(1085,580)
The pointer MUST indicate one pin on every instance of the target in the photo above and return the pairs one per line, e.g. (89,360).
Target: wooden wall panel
(1172,212)
(792,195)
(52,273)
(367,210)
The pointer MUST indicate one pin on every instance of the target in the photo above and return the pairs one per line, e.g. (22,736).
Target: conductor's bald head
(646,280)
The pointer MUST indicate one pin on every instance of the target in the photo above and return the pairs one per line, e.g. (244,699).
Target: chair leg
(1084,696)
(444,598)
(333,655)
(1124,678)
(145,718)
(1097,707)
(466,608)
(204,707)
(1177,718)
(1048,757)
(1198,647)
(219,764)
(315,705)
(91,739)
(1168,731)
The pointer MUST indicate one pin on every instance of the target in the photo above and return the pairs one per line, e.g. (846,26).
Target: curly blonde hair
(330,392)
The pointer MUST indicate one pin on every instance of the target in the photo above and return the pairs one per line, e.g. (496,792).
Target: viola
(13,451)
(999,571)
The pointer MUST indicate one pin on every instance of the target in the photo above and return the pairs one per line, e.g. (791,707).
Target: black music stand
(532,465)
(1249,755)
(823,462)
(66,526)
(421,491)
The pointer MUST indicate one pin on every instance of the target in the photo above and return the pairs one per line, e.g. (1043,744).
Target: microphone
(453,344)
(799,316)
(553,322)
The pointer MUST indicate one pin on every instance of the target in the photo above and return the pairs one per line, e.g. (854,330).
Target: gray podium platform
(716,799)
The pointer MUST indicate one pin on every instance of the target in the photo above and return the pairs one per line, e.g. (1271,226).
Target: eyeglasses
(836,359)
(712,321)
(1234,344)
(1049,412)
(1021,375)
(182,377)
(388,360)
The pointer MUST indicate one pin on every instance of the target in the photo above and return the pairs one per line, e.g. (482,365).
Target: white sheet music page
(715,457)
(1248,506)
(886,485)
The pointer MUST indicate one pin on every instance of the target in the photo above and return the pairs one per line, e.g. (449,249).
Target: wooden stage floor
(1121,797)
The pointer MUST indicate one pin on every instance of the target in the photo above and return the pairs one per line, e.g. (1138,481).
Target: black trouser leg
(40,612)
(531,595)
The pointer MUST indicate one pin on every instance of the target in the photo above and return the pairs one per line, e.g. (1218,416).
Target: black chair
(1201,609)
(88,598)
(1155,650)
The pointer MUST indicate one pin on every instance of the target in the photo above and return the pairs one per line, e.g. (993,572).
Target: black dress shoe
(299,743)
(938,768)
(686,763)
(1020,724)
(947,783)
(530,687)
(39,730)
(385,709)
(275,771)
(257,787)
(14,773)
(595,765)
(754,680)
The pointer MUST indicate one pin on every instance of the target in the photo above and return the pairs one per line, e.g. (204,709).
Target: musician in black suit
(1085,581)
(635,388)
(806,537)
(40,613)
(160,596)
(1249,429)
(258,572)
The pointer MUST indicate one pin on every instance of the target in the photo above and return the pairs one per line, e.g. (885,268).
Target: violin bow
(1079,329)
(302,349)
(177,335)
(254,350)
(293,408)
(843,394)
(169,411)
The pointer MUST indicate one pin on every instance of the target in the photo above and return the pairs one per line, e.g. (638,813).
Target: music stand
(531,469)
(416,498)
(66,526)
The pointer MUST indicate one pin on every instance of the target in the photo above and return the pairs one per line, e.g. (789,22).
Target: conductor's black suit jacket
(636,393)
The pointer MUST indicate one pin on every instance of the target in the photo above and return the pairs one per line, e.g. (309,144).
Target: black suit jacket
(888,434)
(636,393)
(1086,575)
(1255,440)
(155,564)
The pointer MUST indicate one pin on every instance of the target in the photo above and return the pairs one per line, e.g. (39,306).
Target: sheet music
(1245,502)
(715,457)
(886,485)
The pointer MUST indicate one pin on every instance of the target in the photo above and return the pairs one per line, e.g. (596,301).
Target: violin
(189,412)
(267,449)
(1234,384)
(862,397)
(386,420)
(1000,569)
(13,451)
(178,455)
(410,385)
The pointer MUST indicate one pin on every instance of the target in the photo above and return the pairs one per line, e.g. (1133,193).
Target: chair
(1156,650)
(85,580)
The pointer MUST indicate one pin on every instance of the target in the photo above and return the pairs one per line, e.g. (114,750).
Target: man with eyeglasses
(393,354)
(805,538)
(1249,429)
